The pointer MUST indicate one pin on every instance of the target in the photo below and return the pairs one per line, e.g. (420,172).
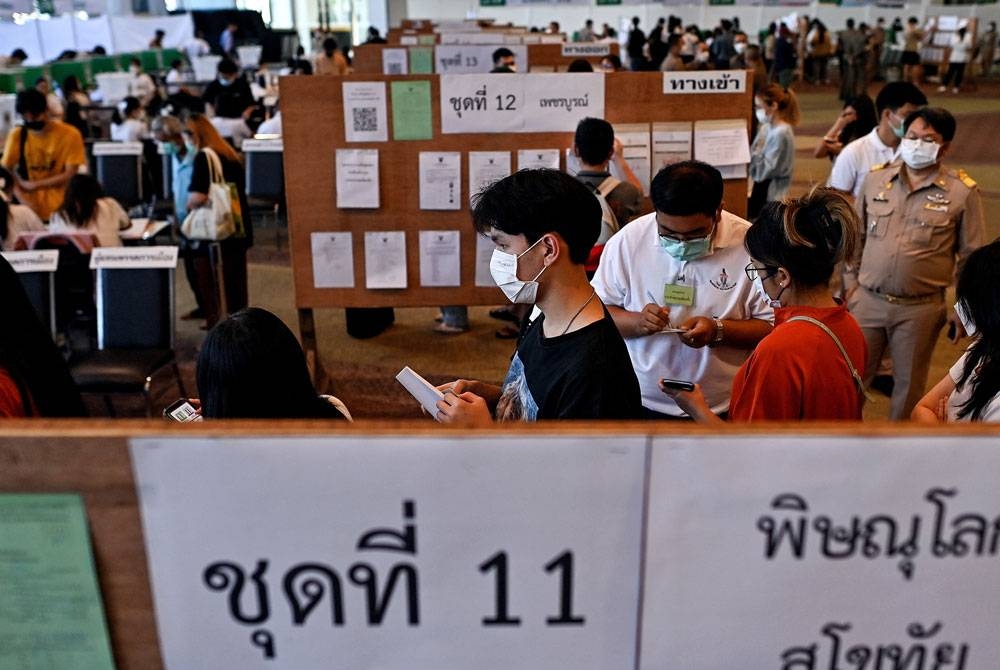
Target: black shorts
(910,58)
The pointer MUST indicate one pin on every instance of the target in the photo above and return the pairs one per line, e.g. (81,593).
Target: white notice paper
(357,178)
(333,260)
(484,252)
(439,258)
(530,159)
(385,259)
(422,390)
(671,143)
(482,103)
(486,167)
(636,150)
(394,61)
(473,59)
(722,142)
(440,180)
(557,103)
(365,111)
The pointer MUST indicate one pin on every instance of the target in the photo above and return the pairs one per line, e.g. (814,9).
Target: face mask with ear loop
(503,267)
(775,302)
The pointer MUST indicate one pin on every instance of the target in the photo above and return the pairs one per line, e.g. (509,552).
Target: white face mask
(918,154)
(775,303)
(761,115)
(503,267)
(134,69)
(970,327)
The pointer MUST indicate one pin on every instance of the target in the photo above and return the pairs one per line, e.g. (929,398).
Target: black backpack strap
(22,161)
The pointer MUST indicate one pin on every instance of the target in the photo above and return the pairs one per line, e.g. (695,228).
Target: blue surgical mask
(225,82)
(687,250)
(899,130)
(169,148)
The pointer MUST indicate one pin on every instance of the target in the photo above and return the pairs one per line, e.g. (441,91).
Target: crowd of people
(685,312)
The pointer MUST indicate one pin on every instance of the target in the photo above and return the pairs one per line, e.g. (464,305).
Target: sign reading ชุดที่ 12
(530,103)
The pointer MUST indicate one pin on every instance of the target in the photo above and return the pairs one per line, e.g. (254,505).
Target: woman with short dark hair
(86,209)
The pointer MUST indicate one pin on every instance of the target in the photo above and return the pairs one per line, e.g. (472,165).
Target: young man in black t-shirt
(571,362)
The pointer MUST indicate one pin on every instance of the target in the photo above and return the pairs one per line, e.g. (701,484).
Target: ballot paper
(671,143)
(484,253)
(333,260)
(365,118)
(439,258)
(636,150)
(722,142)
(422,390)
(385,259)
(440,180)
(394,61)
(530,159)
(486,167)
(357,178)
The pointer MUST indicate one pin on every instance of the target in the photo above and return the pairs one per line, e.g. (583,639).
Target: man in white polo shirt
(682,267)
(894,102)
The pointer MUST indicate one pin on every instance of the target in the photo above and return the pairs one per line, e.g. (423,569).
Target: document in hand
(421,389)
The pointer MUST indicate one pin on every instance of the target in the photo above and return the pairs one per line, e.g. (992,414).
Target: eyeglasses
(765,272)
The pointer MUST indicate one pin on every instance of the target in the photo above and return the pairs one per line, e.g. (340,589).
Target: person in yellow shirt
(331,61)
(43,154)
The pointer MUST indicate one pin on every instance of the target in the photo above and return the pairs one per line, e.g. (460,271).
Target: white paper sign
(706,81)
(440,251)
(768,550)
(473,59)
(409,40)
(365,111)
(440,180)
(636,150)
(585,49)
(557,102)
(671,143)
(473,38)
(394,61)
(42,260)
(333,260)
(484,252)
(357,178)
(722,142)
(486,553)
(133,258)
(485,168)
(530,159)
(117,148)
(473,103)
(385,259)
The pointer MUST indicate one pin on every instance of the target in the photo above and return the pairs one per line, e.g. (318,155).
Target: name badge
(935,207)
(678,294)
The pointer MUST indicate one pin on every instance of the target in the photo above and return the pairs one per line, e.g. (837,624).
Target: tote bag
(213,220)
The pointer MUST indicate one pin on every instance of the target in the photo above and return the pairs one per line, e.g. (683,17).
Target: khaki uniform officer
(921,221)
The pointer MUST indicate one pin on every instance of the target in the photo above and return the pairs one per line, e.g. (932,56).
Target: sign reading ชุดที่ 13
(528,103)
(352,552)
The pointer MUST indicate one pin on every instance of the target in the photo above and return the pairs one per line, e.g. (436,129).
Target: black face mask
(34,125)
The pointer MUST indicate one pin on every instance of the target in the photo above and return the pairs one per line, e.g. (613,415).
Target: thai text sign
(802,554)
(473,58)
(708,81)
(392,553)
(519,103)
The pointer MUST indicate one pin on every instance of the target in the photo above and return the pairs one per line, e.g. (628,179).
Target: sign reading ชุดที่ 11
(818,553)
(354,552)
(529,103)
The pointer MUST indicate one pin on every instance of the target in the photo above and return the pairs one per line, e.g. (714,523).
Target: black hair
(71,84)
(673,40)
(6,185)
(329,46)
(866,118)
(131,104)
(536,202)
(31,101)
(594,140)
(41,80)
(99,50)
(251,366)
(176,64)
(977,293)
(30,357)
(807,236)
(19,54)
(895,94)
(135,61)
(938,118)
(227,66)
(80,199)
(502,52)
(850,24)
(686,188)
(580,65)
(615,60)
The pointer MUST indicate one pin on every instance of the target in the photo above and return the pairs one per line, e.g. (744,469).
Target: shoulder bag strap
(607,186)
(214,166)
(836,340)
(22,160)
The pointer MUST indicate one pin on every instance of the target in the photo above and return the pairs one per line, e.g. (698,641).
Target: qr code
(365,119)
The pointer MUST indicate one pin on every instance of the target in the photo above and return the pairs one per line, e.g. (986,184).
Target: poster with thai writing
(557,103)
(474,58)
(482,103)
(813,553)
(392,553)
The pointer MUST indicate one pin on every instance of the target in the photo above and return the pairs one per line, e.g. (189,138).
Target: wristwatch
(720,332)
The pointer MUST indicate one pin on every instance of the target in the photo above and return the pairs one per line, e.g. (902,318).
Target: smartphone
(182,410)
(677,384)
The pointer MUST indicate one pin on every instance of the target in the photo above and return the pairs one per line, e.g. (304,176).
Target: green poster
(421,60)
(427,40)
(52,615)
(411,110)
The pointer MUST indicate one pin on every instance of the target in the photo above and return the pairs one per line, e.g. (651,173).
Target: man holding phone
(674,284)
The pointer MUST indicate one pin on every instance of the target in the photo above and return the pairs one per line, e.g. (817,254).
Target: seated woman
(34,379)
(128,124)
(86,209)
(807,368)
(971,389)
(252,367)
(14,219)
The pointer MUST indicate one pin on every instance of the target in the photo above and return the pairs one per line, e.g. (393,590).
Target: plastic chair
(135,335)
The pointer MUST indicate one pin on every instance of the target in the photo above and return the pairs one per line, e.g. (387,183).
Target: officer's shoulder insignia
(880,166)
(966,179)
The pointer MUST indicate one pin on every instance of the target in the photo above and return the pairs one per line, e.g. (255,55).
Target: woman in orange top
(807,368)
